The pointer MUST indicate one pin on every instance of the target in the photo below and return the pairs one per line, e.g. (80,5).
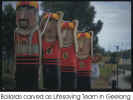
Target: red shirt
(68,59)
(51,52)
(84,67)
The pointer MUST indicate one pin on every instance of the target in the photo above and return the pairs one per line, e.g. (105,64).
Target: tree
(82,11)
(8,27)
(99,49)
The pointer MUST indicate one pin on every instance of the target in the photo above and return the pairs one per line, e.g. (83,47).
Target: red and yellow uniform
(68,59)
(24,39)
(51,52)
(50,61)
(68,65)
(84,67)
(83,73)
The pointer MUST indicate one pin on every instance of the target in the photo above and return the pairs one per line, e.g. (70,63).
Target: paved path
(122,83)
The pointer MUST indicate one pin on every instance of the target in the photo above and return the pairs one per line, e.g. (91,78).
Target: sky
(116,17)
(116,30)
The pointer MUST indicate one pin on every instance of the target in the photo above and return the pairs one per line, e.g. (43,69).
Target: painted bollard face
(68,33)
(84,43)
(51,31)
(26,15)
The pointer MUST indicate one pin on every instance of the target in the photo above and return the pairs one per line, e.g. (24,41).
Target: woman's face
(84,46)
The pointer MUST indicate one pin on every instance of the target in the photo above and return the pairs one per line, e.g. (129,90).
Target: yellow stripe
(31,3)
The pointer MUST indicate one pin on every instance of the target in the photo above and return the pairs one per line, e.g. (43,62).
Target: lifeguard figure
(84,60)
(51,51)
(27,45)
(68,55)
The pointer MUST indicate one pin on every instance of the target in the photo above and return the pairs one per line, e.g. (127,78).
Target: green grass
(105,74)
(106,71)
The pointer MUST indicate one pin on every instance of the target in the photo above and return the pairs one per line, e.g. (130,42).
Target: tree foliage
(7,27)
(82,11)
